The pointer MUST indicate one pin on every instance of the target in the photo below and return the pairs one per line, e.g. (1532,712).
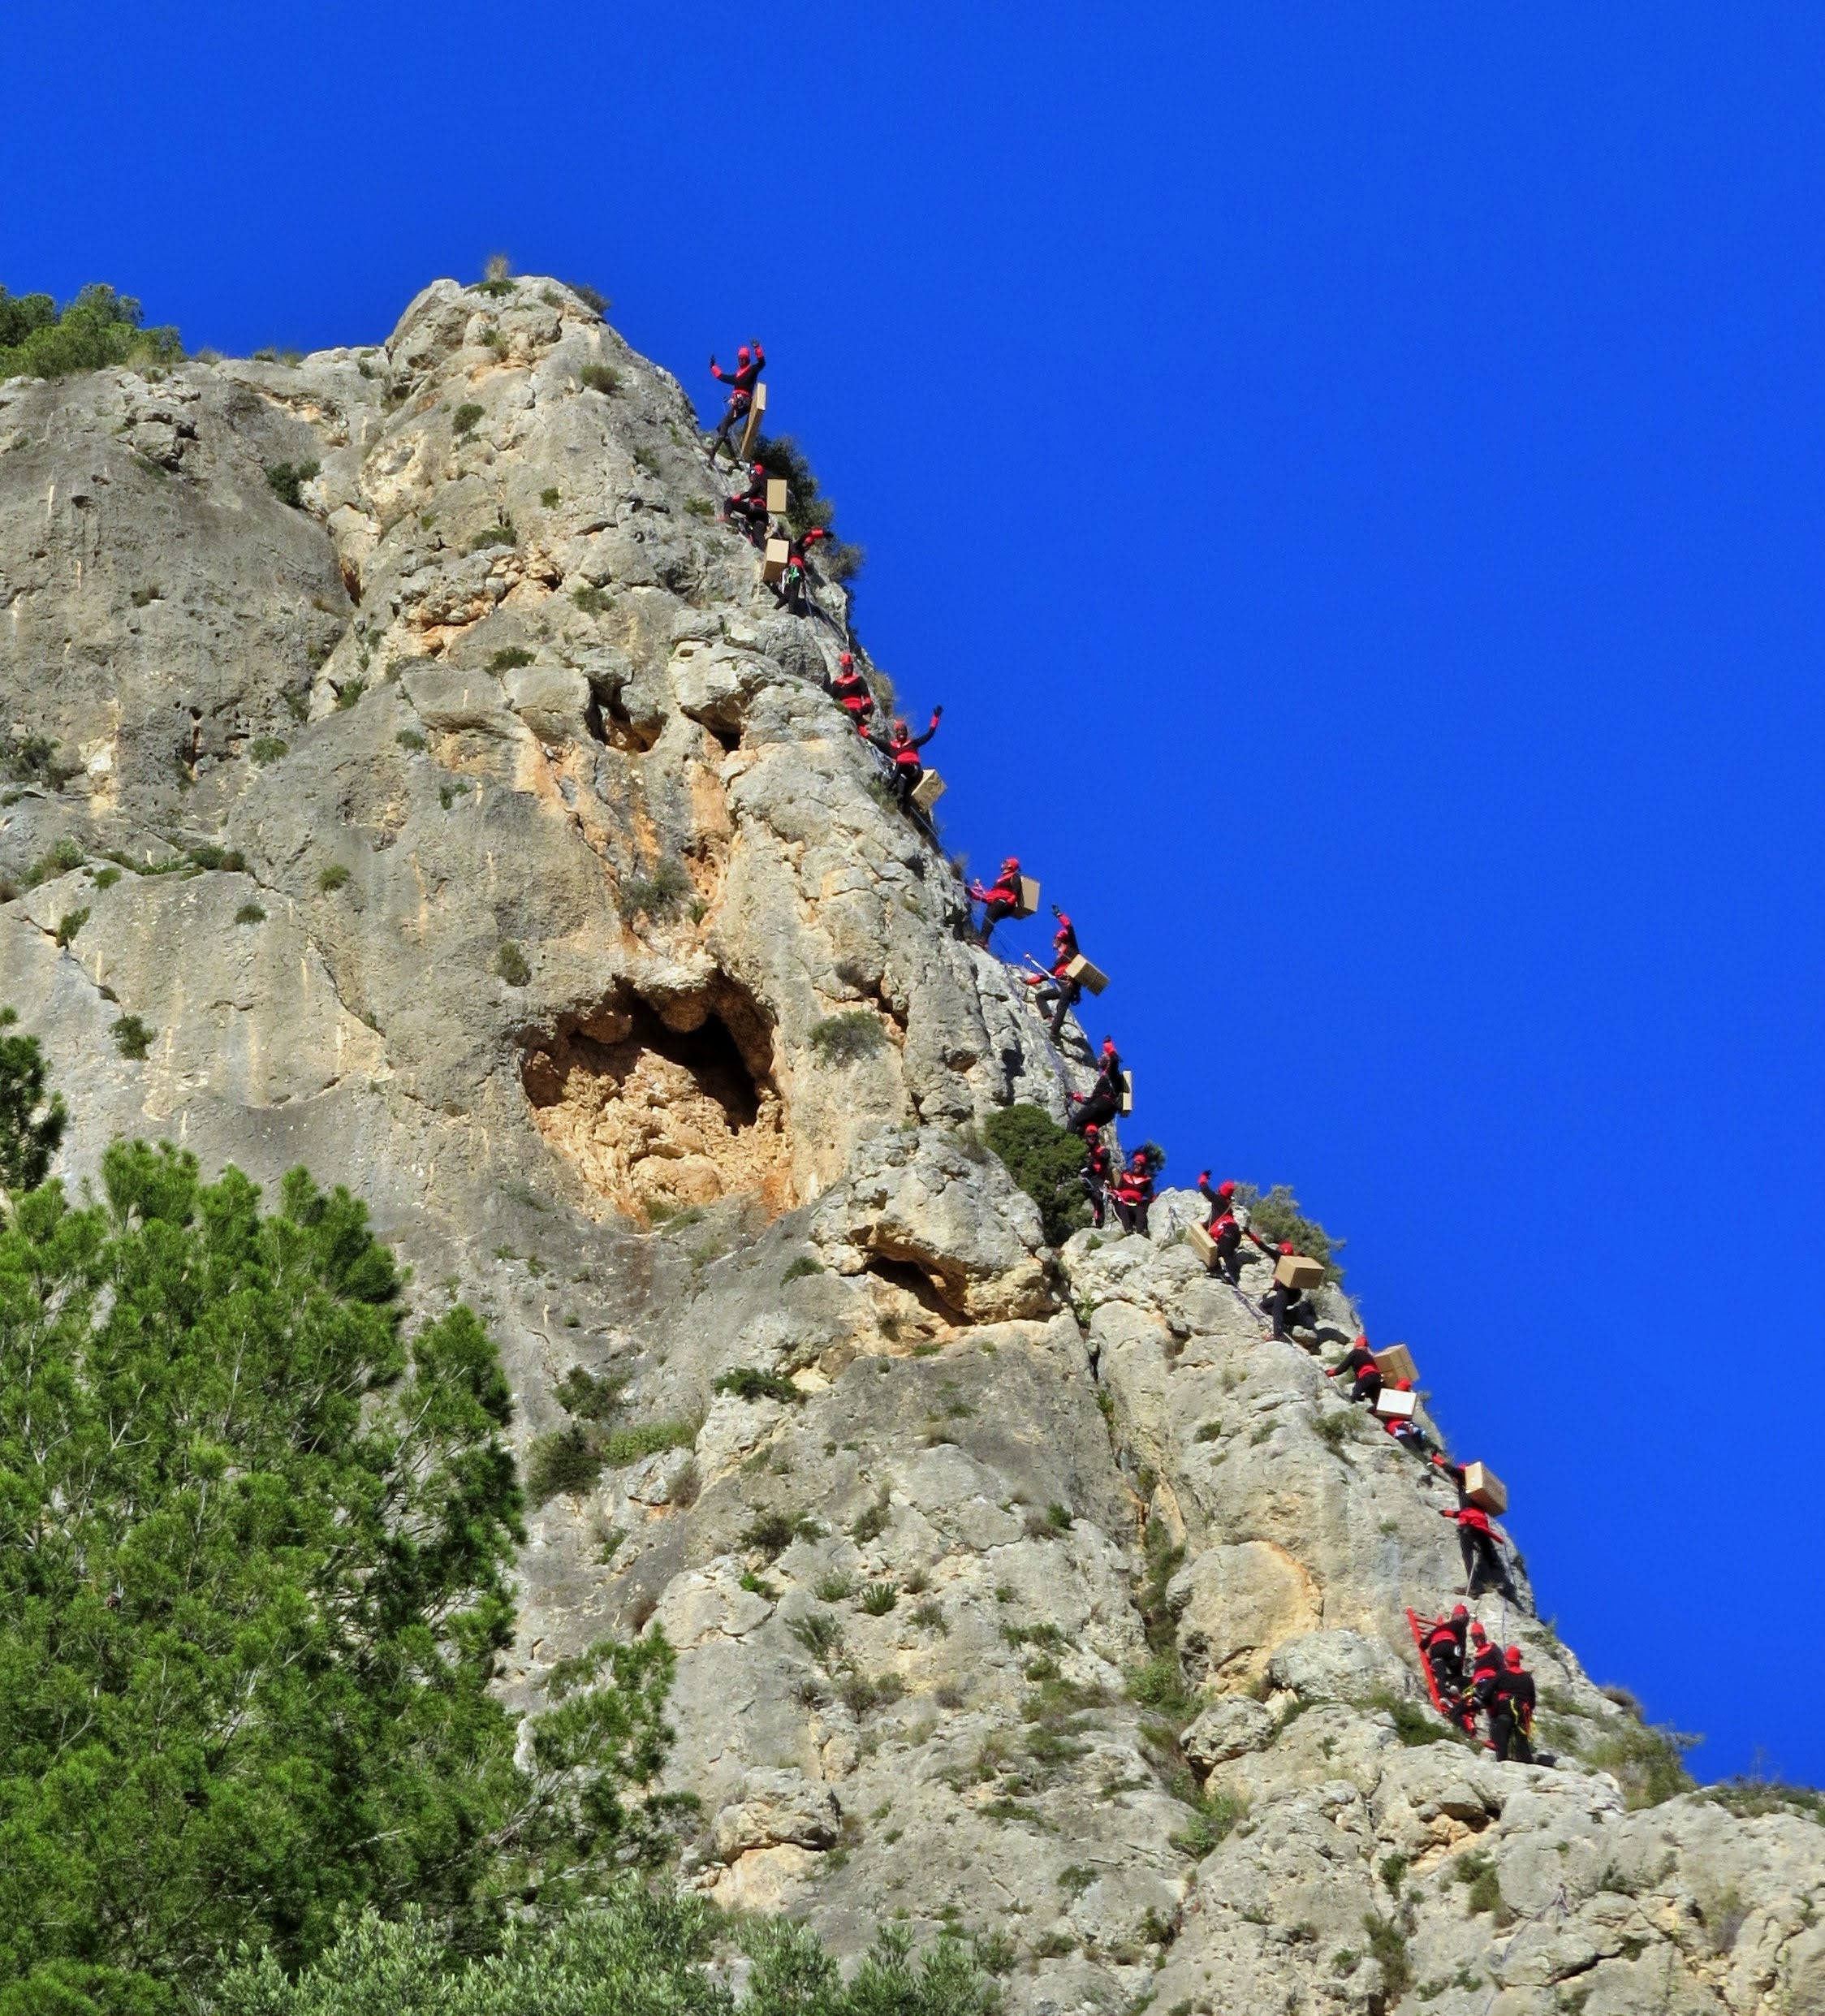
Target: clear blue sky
(1353,482)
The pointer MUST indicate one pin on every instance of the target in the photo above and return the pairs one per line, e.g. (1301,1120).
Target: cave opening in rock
(665,1103)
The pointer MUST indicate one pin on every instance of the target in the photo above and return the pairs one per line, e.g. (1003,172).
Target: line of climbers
(1498,1684)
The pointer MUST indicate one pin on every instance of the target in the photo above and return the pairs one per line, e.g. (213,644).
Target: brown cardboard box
(1294,1271)
(1483,1487)
(1396,1362)
(1127,1091)
(753,427)
(773,565)
(1029,897)
(776,495)
(928,791)
(1093,978)
(1391,1404)
(1203,1245)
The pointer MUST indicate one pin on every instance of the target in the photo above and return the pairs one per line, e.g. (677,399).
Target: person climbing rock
(1359,1361)
(1510,1703)
(749,365)
(1483,1565)
(1228,1226)
(1057,988)
(789,592)
(1134,1189)
(1103,1101)
(747,510)
(1000,899)
(1096,1173)
(901,749)
(1287,1309)
(1408,1433)
(853,692)
(1443,1642)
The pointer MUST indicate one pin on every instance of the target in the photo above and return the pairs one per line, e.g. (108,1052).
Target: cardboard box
(1127,1091)
(1200,1242)
(756,408)
(1396,1362)
(1483,1487)
(1294,1271)
(1092,978)
(776,495)
(1029,897)
(1391,1404)
(928,791)
(773,565)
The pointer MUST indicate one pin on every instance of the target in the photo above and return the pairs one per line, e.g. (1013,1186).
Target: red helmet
(1403,1386)
(900,728)
(1092,1131)
(1459,1611)
(741,355)
(846,661)
(1286,1245)
(1108,1045)
(1013,860)
(1138,1159)
(1226,1189)
(1479,1633)
(1514,1659)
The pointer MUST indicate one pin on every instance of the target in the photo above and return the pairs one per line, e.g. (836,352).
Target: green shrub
(601,377)
(699,507)
(806,504)
(1415,1726)
(872,1522)
(250,913)
(819,1633)
(510,963)
(499,533)
(1334,1428)
(210,858)
(565,1462)
(848,1038)
(1160,1684)
(410,739)
(1277,1216)
(650,1438)
(658,894)
(32,1119)
(1213,1820)
(465,417)
(1752,1798)
(98,329)
(62,859)
(69,924)
(510,659)
(267,748)
(802,1267)
(746,1383)
(106,877)
(350,693)
(1045,1160)
(591,601)
(32,758)
(596,302)
(591,1396)
(288,479)
(549,499)
(131,1037)
(332,879)
(1645,1761)
(1387,1947)
(645,458)
(878,1598)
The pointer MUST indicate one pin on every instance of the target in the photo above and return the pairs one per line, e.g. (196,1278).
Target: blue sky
(1353,483)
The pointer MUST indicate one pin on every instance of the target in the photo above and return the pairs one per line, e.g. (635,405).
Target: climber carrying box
(749,365)
(1100,1105)
(902,750)
(1058,987)
(1002,898)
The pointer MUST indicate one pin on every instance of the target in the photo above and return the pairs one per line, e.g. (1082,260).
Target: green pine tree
(31,1125)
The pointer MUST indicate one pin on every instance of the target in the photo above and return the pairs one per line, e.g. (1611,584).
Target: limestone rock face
(477,831)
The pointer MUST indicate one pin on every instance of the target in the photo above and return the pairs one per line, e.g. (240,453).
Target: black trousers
(1368,1387)
(1096,1110)
(1286,1307)
(992,915)
(1099,1197)
(1482,1565)
(1133,1216)
(1509,1737)
(1448,1672)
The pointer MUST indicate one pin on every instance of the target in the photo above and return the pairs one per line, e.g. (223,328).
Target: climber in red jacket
(1095,1174)
(748,365)
(1359,1361)
(1287,1307)
(1509,1697)
(1483,1565)
(1057,988)
(790,592)
(1103,1101)
(1000,899)
(856,695)
(1134,1192)
(1226,1228)
(1408,1433)
(901,749)
(1442,1643)
(748,509)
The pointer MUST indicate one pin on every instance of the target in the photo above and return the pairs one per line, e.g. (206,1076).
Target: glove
(936,712)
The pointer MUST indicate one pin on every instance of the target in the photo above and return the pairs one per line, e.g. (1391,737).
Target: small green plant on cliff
(1046,1161)
(801,1269)
(32,759)
(849,1037)
(465,417)
(69,924)
(98,329)
(601,377)
(287,481)
(510,659)
(1277,1216)
(131,1037)
(501,532)
(658,894)
(333,878)
(746,1383)
(510,963)
(1647,1762)
(267,749)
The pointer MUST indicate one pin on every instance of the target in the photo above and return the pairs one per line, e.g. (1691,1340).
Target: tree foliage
(1277,1216)
(99,327)
(31,1124)
(634,1954)
(1045,1160)
(254,1549)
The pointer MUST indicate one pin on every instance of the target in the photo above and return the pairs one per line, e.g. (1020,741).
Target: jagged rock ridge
(486,840)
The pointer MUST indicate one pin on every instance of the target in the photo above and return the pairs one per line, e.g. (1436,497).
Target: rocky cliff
(474,830)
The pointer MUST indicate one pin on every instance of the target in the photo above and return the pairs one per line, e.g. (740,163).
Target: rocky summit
(411,778)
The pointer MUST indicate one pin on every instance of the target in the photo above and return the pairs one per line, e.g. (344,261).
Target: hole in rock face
(664,1104)
(913,1281)
(622,731)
